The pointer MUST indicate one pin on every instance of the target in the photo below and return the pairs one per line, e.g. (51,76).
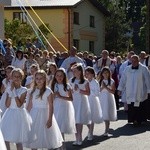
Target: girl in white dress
(6,83)
(16,122)
(2,143)
(51,71)
(63,107)
(81,104)
(40,106)
(96,110)
(107,90)
(30,79)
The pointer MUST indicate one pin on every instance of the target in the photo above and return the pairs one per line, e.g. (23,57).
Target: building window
(76,18)
(76,43)
(92,21)
(20,16)
(91,46)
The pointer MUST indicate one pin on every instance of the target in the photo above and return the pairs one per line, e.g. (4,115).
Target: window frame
(76,18)
(91,46)
(76,43)
(21,16)
(92,21)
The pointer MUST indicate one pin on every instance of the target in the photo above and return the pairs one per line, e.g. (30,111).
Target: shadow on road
(130,129)
(126,130)
(97,140)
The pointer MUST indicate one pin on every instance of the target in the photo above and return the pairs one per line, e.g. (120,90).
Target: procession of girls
(50,106)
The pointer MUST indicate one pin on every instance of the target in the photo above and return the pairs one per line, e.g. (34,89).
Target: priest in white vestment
(121,70)
(70,61)
(105,60)
(136,82)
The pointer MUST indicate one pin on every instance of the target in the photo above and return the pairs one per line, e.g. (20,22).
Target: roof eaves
(37,7)
(78,3)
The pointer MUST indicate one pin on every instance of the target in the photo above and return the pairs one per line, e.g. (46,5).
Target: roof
(45,2)
(55,3)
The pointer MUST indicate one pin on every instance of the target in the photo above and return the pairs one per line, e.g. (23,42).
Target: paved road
(122,136)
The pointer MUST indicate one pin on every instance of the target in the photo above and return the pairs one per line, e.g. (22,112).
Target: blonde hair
(45,52)
(34,66)
(18,70)
(43,89)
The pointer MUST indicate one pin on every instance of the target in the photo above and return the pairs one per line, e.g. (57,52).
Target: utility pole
(148,27)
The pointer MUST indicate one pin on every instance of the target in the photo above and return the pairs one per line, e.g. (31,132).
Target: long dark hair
(91,71)
(101,75)
(52,64)
(54,81)
(19,51)
(79,68)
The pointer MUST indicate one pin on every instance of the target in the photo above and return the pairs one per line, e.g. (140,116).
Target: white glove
(136,104)
(12,93)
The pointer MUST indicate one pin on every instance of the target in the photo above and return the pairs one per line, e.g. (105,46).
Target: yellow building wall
(60,25)
(84,32)
(1,21)
(57,20)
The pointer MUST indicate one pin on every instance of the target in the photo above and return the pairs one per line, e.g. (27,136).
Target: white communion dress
(95,105)
(2,143)
(108,104)
(4,95)
(49,138)
(16,121)
(64,111)
(81,104)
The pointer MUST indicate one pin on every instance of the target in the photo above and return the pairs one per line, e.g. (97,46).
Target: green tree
(123,27)
(134,12)
(45,32)
(117,28)
(19,32)
(142,33)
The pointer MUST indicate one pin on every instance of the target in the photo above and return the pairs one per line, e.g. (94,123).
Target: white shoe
(105,134)
(90,137)
(77,143)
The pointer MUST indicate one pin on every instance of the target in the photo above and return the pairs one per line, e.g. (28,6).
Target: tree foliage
(116,26)
(142,33)
(19,32)
(134,11)
(123,26)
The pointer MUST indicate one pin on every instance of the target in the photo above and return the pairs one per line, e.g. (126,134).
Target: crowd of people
(45,95)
